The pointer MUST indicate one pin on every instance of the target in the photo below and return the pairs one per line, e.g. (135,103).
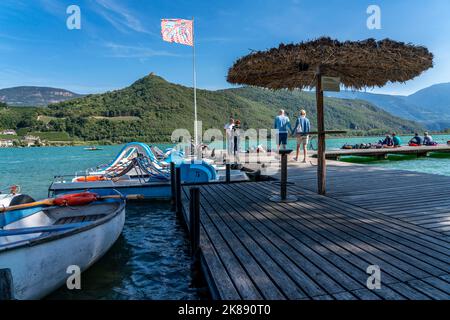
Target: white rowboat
(39,244)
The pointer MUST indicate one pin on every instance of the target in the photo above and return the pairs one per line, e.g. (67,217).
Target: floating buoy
(89,179)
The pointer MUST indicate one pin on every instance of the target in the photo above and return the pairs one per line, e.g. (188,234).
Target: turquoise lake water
(151,259)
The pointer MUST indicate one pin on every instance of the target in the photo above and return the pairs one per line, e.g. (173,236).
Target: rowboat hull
(40,267)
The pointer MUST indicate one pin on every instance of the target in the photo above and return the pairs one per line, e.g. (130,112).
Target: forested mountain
(151,108)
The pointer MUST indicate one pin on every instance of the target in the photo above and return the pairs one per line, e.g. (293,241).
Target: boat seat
(76,219)
(21,199)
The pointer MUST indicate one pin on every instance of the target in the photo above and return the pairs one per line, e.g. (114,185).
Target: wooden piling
(6,285)
(194,220)
(172,185)
(178,204)
(228,173)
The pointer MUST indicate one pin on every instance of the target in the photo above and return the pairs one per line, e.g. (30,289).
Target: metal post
(228,173)
(194,80)
(178,204)
(6,285)
(194,220)
(283,182)
(283,196)
(172,184)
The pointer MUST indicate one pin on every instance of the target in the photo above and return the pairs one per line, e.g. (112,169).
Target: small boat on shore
(93,148)
(39,241)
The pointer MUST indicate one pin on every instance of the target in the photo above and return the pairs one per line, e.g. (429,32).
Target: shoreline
(76,143)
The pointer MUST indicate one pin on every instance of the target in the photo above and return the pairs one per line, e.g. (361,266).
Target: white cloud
(10,77)
(120,17)
(126,51)
(5,47)
(54,8)
(216,39)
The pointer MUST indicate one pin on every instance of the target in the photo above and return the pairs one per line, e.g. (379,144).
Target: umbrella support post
(321,161)
(283,197)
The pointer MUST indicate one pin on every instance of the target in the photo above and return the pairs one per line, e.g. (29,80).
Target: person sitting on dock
(301,129)
(388,142)
(281,124)
(397,140)
(428,140)
(416,141)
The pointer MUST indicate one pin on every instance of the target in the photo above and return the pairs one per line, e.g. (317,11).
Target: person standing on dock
(301,130)
(281,124)
(236,139)
(229,136)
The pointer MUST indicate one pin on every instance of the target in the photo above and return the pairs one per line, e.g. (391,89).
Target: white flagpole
(195,86)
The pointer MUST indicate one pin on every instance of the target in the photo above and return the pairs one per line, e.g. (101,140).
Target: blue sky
(120,40)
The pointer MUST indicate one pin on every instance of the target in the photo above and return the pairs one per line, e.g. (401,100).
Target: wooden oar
(46,202)
(50,202)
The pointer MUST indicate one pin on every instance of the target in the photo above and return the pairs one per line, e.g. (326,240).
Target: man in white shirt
(229,136)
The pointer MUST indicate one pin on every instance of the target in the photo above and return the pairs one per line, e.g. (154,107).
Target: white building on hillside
(9,132)
(32,140)
(4,143)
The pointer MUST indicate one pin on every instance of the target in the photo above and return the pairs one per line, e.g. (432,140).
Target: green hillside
(161,107)
(151,108)
(17,118)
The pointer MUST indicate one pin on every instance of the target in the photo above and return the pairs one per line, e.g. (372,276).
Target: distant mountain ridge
(28,96)
(429,106)
(151,108)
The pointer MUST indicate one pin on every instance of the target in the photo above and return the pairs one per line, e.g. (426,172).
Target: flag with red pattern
(178,31)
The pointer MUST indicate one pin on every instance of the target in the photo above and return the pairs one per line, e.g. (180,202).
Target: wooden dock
(321,246)
(384,152)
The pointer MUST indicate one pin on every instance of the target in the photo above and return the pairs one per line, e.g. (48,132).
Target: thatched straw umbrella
(358,64)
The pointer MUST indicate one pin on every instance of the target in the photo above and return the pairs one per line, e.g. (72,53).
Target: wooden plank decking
(418,198)
(317,248)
